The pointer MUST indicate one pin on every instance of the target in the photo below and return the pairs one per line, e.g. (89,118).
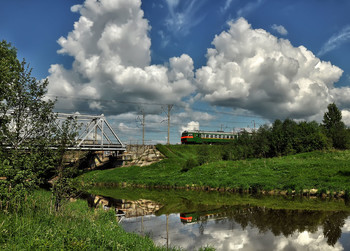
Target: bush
(203,155)
(189,164)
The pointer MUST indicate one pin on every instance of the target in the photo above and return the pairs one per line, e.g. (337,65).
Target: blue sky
(223,64)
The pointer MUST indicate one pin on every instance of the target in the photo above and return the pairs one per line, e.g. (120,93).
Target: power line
(157,104)
(106,100)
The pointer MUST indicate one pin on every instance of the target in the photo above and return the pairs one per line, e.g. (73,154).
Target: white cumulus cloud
(254,70)
(193,125)
(111,71)
(346,116)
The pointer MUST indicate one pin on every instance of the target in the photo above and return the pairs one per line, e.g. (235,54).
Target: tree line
(291,137)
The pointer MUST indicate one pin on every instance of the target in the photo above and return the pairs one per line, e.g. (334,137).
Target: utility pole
(254,124)
(142,122)
(143,128)
(169,109)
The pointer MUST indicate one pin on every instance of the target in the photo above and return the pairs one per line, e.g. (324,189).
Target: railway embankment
(141,155)
(198,167)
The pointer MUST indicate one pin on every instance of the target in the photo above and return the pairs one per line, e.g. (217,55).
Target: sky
(220,65)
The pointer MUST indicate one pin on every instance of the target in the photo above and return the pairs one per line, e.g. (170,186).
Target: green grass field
(322,170)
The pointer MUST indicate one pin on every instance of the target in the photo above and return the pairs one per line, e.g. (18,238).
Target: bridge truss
(95,133)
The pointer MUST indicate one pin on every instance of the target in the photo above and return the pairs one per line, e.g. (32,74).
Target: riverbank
(75,227)
(179,200)
(323,173)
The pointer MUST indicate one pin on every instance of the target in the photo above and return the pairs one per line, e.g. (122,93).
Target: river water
(191,220)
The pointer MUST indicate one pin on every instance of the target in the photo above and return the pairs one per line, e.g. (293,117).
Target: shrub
(189,164)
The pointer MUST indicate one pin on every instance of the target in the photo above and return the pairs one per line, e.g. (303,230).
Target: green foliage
(63,185)
(203,155)
(282,138)
(261,145)
(334,127)
(189,164)
(27,130)
(332,116)
(76,227)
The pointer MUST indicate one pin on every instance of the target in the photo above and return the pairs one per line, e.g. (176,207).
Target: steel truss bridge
(95,133)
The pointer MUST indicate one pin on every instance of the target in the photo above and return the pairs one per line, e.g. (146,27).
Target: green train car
(193,217)
(207,137)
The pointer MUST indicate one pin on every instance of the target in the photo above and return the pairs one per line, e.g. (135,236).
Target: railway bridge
(95,134)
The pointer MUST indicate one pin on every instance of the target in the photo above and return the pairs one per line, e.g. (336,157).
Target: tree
(334,127)
(27,130)
(276,141)
(261,142)
(310,137)
(64,186)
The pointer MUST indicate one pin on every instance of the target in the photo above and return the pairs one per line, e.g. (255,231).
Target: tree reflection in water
(281,221)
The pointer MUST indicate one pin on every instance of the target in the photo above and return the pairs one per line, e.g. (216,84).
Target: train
(207,137)
(215,214)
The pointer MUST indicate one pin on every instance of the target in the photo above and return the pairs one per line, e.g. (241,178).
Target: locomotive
(207,137)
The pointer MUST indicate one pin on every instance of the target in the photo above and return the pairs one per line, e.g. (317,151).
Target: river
(224,221)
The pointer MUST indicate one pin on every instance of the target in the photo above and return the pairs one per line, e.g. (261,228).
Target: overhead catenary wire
(150,128)
(156,104)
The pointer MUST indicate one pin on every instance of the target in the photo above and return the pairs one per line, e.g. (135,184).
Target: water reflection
(278,222)
(238,227)
(226,234)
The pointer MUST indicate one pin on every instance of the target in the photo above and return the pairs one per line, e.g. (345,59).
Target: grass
(75,228)
(325,171)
